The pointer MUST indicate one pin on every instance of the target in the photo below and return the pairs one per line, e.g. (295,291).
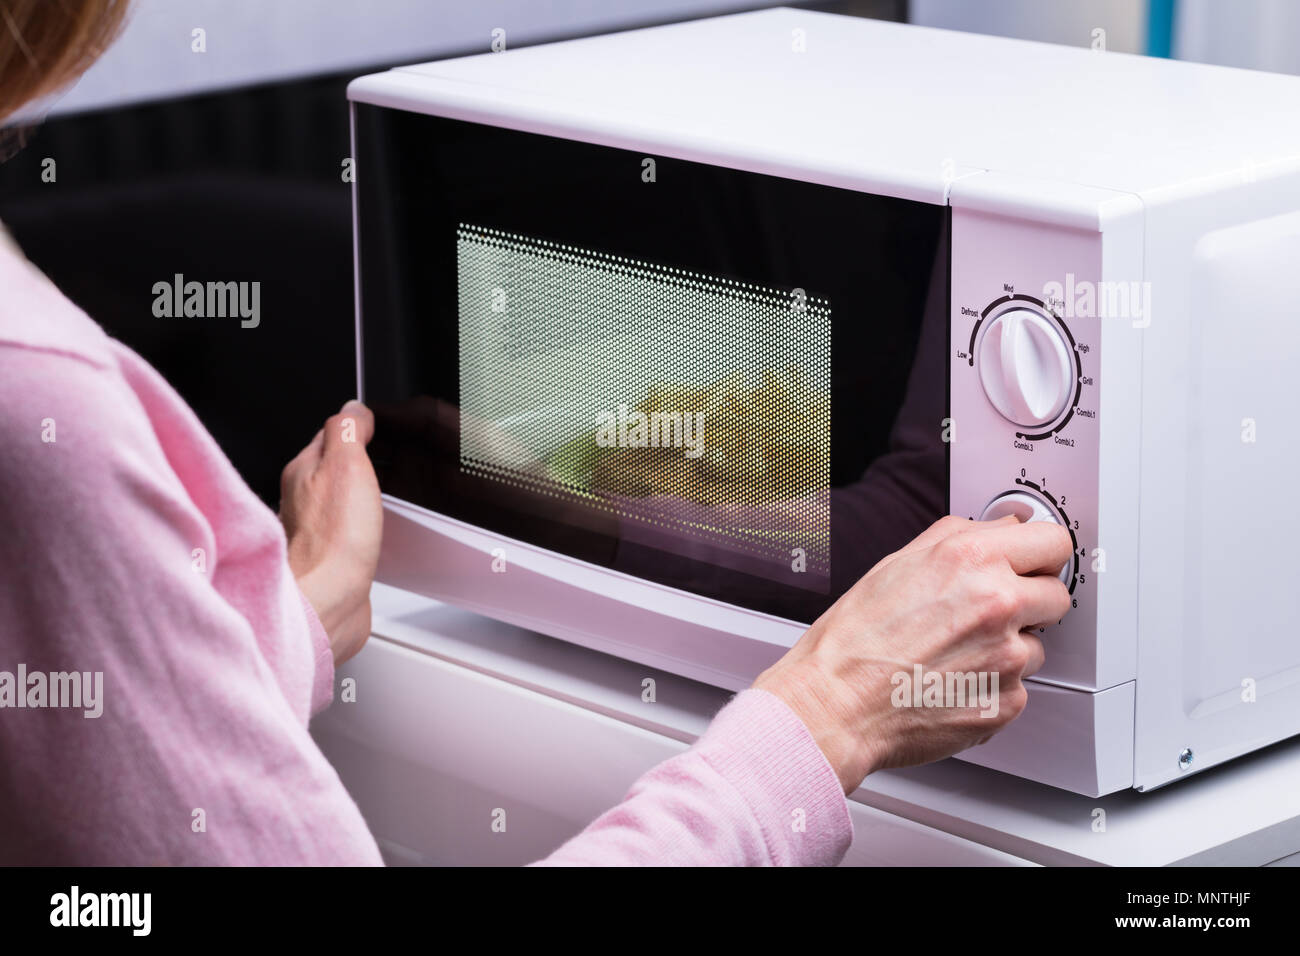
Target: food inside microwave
(756,444)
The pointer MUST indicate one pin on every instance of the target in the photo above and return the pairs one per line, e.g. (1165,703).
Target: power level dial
(1027,507)
(1025,367)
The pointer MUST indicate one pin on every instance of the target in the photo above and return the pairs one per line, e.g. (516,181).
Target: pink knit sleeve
(322,691)
(755,790)
(193,747)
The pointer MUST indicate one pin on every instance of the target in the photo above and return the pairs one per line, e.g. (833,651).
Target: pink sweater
(131,548)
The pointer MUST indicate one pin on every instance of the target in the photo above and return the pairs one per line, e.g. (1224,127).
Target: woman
(165,638)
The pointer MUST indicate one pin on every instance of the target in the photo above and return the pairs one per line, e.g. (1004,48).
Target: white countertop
(1246,812)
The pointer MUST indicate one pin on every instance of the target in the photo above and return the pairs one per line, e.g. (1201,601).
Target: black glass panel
(722,381)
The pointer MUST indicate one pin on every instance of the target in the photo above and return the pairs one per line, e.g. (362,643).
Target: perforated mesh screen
(696,409)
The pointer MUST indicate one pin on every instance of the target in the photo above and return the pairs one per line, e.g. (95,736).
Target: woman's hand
(961,598)
(330,508)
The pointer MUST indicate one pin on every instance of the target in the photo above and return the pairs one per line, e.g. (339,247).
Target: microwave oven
(671,334)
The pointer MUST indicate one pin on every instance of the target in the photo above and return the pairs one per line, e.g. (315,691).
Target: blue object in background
(1160,27)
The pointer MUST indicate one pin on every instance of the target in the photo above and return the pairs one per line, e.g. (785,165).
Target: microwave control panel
(1024,412)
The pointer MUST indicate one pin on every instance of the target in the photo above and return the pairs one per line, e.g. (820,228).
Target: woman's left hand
(330,508)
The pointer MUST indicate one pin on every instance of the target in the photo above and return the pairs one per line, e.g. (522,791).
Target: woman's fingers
(1041,599)
(945,527)
(1037,656)
(302,464)
(351,429)
(1040,547)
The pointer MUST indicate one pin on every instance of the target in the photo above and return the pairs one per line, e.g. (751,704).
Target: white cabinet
(458,716)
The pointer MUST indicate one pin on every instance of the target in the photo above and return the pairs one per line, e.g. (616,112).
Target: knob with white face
(1027,507)
(1025,368)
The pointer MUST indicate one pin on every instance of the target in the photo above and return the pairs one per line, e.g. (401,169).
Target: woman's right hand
(334,520)
(961,598)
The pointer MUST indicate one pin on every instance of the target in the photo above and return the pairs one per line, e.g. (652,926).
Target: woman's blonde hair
(46,44)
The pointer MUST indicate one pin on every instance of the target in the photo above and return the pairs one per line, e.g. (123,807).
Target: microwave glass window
(693,410)
(725,382)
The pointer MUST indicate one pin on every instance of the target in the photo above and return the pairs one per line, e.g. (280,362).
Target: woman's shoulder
(86,426)
(83,471)
(36,317)
(61,386)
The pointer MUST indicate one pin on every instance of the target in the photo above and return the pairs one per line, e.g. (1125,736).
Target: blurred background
(226,164)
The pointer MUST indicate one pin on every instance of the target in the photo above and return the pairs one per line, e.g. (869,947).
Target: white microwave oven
(671,334)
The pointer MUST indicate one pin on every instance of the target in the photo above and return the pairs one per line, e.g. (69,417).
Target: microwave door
(722,382)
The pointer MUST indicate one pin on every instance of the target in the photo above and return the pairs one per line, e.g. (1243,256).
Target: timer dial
(1025,367)
(1027,507)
